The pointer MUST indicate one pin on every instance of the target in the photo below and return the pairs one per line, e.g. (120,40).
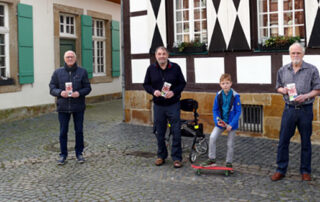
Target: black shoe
(62,160)
(80,159)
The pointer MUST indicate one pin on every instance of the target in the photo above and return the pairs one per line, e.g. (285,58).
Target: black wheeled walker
(191,128)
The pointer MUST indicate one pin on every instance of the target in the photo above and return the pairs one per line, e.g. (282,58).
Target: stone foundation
(32,111)
(138,106)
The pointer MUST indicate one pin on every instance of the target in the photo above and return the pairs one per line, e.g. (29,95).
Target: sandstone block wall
(138,110)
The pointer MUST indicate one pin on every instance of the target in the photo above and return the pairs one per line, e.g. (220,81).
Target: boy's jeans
(161,116)
(64,119)
(213,139)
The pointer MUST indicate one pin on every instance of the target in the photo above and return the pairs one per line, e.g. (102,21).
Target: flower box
(279,43)
(6,82)
(189,48)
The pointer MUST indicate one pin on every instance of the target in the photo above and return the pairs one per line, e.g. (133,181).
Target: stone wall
(138,106)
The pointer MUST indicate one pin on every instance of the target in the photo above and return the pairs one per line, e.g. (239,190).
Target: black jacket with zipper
(80,82)
(155,78)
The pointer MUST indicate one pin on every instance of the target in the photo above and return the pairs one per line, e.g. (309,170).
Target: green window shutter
(115,49)
(25,44)
(86,43)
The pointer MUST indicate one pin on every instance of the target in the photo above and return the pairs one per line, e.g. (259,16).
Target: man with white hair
(70,84)
(299,83)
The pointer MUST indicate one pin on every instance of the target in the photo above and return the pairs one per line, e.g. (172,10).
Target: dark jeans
(292,118)
(161,116)
(64,119)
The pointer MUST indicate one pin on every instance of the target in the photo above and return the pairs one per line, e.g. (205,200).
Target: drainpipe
(122,65)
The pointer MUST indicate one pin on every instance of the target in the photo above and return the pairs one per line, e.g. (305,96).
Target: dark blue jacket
(80,82)
(234,109)
(155,78)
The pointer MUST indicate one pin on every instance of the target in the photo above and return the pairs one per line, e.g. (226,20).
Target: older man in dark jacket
(70,84)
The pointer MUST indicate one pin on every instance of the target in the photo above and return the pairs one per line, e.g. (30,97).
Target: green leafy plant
(280,42)
(192,44)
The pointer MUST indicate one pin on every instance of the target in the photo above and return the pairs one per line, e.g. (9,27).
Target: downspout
(123,81)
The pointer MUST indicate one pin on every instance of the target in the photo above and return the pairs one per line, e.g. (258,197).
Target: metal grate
(251,119)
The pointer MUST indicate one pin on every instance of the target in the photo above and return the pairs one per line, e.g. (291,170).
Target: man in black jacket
(164,80)
(70,84)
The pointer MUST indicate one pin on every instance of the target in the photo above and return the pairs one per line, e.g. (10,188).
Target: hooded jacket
(234,109)
(80,82)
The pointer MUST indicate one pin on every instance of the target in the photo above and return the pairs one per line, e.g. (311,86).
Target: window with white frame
(67,25)
(98,47)
(190,21)
(280,18)
(4,42)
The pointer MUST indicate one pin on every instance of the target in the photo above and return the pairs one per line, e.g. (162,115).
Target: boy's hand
(222,124)
(229,128)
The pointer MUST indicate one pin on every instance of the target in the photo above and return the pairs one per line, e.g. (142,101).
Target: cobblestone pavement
(120,167)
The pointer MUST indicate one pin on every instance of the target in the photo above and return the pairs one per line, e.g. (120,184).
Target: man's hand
(157,93)
(301,98)
(169,94)
(64,94)
(283,90)
(75,94)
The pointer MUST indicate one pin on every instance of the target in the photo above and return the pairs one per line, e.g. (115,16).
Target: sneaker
(209,162)
(62,160)
(229,165)
(80,159)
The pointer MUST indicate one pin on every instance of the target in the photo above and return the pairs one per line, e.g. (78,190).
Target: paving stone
(120,165)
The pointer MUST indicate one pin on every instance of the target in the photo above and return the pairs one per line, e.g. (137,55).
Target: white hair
(299,45)
(70,51)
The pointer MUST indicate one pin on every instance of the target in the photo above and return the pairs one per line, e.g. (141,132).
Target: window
(280,18)
(4,45)
(251,119)
(190,21)
(98,47)
(67,25)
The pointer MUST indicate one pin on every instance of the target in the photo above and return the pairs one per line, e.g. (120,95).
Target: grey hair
(162,48)
(297,44)
(70,51)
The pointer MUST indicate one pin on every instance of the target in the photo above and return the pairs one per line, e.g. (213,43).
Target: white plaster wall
(139,34)
(183,65)
(254,69)
(211,19)
(311,8)
(139,68)
(160,21)
(312,59)
(38,92)
(138,5)
(208,70)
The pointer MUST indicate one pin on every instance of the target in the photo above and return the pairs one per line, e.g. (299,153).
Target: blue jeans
(292,118)
(64,119)
(161,116)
